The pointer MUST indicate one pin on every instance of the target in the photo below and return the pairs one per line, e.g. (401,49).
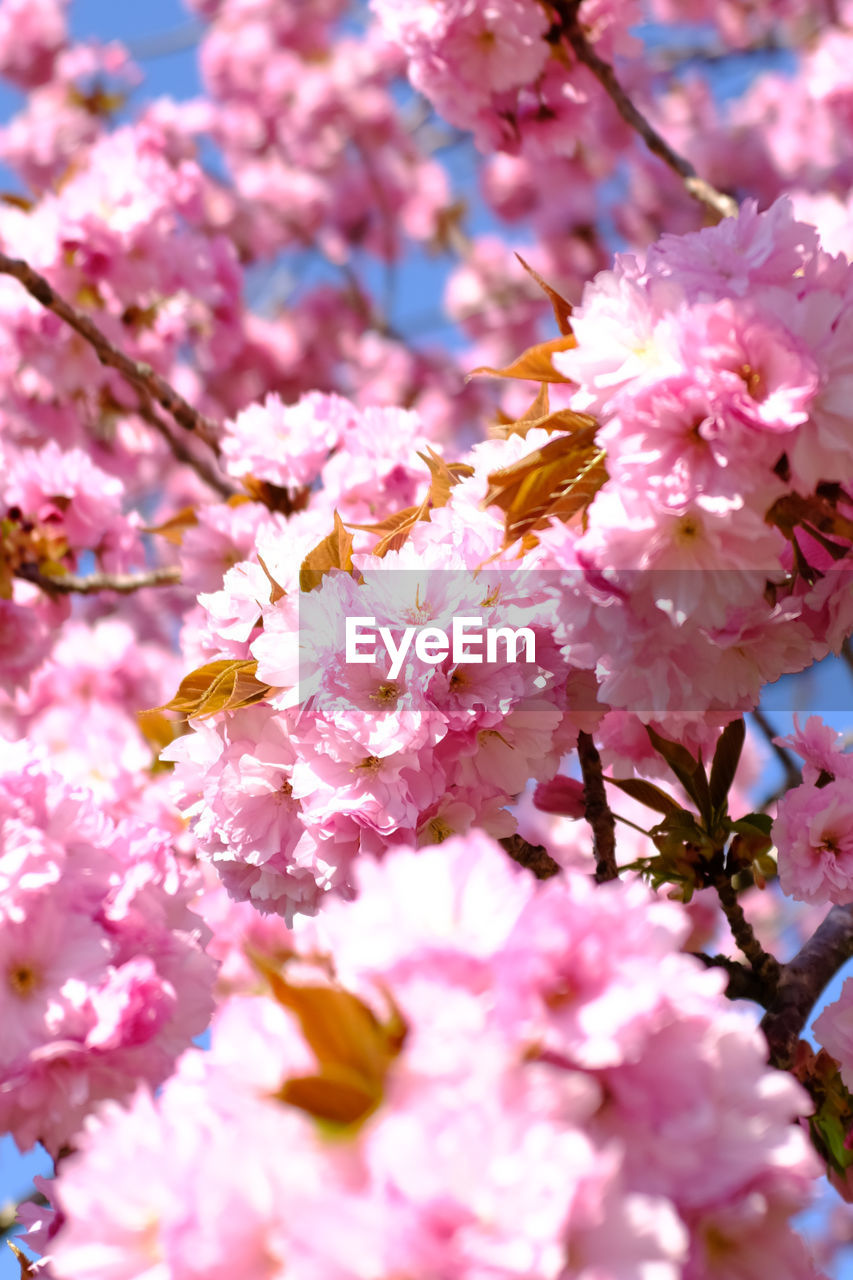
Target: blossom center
(439,829)
(23,979)
(386,693)
(688,529)
(752,380)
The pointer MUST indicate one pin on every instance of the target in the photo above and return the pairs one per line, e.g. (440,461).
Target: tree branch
(801,982)
(140,375)
(598,813)
(766,967)
(206,470)
(533,856)
(567,13)
(123,583)
(744,983)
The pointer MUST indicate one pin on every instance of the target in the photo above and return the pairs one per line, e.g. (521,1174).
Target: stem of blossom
(801,982)
(765,966)
(717,201)
(628,823)
(793,776)
(533,856)
(123,583)
(598,812)
(140,375)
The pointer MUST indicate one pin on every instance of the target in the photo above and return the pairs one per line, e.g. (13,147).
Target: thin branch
(598,812)
(568,25)
(766,967)
(139,374)
(793,776)
(803,979)
(744,983)
(533,856)
(206,470)
(123,583)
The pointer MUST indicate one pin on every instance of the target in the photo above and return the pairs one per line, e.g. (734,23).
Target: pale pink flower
(813,831)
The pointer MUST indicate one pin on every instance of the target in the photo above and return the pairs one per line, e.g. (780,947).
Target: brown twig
(766,967)
(206,470)
(598,812)
(123,583)
(139,374)
(724,206)
(533,856)
(744,983)
(802,980)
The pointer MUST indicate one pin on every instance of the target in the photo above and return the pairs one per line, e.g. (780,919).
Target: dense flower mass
(695,576)
(474,1088)
(104,981)
(377,657)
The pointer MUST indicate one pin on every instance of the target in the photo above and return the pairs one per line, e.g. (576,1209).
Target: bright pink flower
(32,32)
(286,444)
(833,1029)
(104,982)
(813,831)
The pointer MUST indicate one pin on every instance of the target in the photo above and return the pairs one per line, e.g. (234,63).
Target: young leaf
(445,476)
(647,793)
(690,772)
(277,591)
(540,416)
(534,364)
(336,1095)
(559,479)
(725,762)
(562,308)
(761,821)
(334,552)
(175,527)
(396,528)
(223,685)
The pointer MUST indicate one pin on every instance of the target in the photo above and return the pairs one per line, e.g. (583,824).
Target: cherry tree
(388,882)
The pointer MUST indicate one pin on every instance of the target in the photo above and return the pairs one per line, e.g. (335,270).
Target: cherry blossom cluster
(104,979)
(812,830)
(345,758)
(472,1074)
(469,1074)
(717,366)
(316,147)
(698,573)
(80,708)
